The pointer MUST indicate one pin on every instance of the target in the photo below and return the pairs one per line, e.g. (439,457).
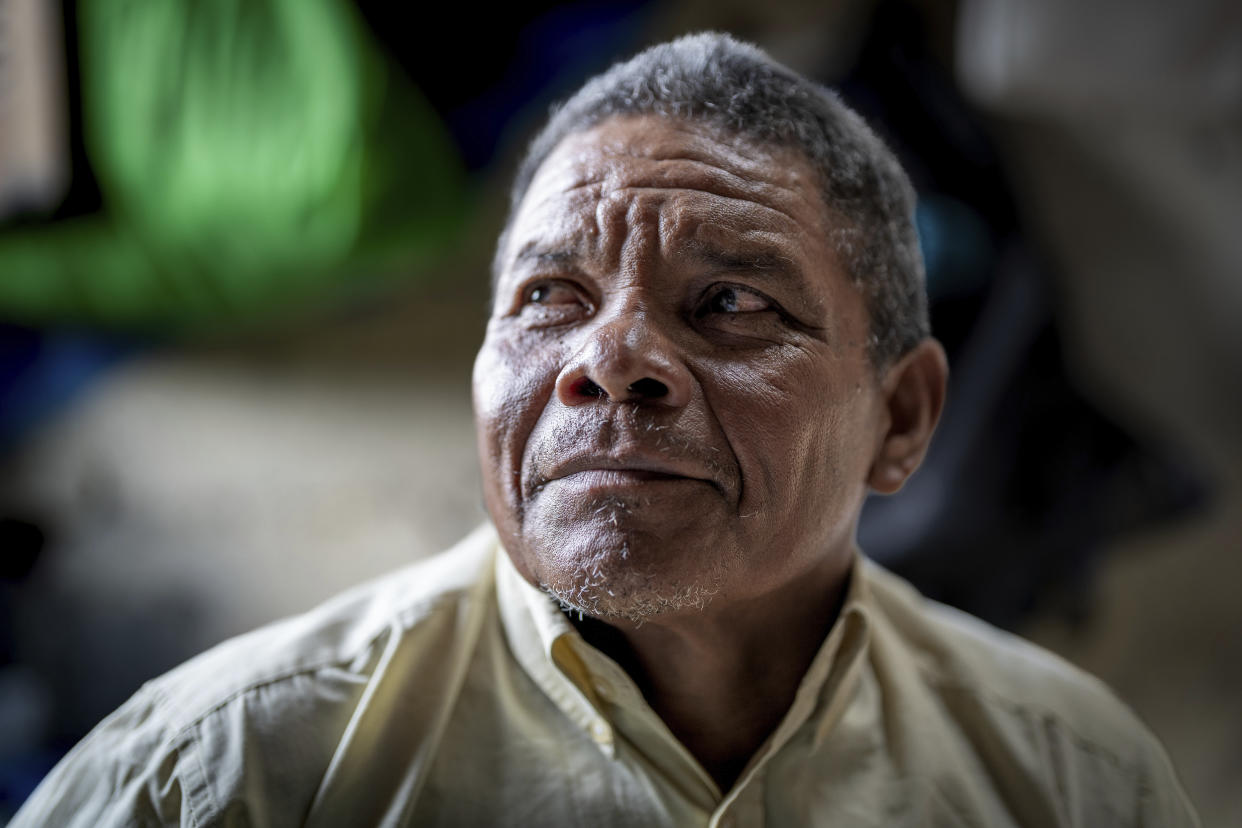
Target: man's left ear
(913,390)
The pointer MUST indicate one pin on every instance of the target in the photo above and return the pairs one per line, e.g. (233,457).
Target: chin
(617,600)
(614,573)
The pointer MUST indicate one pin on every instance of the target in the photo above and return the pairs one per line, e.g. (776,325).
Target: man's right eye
(552,302)
(552,293)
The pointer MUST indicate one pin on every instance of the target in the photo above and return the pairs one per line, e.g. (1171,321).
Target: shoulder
(261,712)
(1023,710)
(343,632)
(952,650)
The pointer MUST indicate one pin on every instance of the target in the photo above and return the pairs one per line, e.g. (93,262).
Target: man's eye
(552,293)
(552,302)
(729,299)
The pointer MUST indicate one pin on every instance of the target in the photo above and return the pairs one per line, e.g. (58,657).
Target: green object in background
(252,155)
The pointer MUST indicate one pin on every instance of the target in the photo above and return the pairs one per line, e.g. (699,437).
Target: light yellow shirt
(454,693)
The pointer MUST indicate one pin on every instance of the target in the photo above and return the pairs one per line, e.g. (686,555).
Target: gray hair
(711,77)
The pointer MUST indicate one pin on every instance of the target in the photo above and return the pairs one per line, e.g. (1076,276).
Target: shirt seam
(187,733)
(400,620)
(206,786)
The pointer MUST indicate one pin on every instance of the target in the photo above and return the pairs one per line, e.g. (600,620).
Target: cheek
(512,383)
(792,421)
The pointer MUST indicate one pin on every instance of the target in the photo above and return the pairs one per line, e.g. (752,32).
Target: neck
(722,679)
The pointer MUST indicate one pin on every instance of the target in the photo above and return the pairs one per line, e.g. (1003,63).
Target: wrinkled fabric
(454,693)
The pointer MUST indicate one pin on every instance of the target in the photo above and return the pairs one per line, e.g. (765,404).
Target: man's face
(674,400)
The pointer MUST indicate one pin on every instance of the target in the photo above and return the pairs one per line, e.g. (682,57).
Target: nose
(626,359)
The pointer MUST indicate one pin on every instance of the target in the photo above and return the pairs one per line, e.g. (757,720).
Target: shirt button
(600,731)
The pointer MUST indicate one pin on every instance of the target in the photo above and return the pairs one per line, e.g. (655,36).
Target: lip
(606,470)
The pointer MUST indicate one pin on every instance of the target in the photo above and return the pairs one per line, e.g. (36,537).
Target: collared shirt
(454,693)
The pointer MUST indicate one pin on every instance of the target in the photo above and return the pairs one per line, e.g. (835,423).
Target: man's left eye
(730,299)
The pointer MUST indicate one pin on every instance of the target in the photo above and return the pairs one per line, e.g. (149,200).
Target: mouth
(621,478)
(599,472)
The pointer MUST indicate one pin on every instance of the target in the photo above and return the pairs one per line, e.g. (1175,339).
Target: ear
(913,390)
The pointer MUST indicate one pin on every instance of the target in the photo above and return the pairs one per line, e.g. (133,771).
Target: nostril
(585,387)
(648,387)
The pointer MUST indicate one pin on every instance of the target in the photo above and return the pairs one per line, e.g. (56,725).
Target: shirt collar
(570,670)
(543,641)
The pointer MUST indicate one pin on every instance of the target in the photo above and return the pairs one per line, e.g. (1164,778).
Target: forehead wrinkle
(612,217)
(720,163)
(641,239)
(612,168)
(733,216)
(747,204)
(728,196)
(602,191)
(552,241)
(602,182)
(711,234)
(694,143)
(647,219)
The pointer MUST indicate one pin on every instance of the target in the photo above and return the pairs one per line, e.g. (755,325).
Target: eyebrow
(758,258)
(767,260)
(534,253)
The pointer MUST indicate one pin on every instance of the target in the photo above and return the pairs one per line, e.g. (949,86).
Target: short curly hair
(711,77)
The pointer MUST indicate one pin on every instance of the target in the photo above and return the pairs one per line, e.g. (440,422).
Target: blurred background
(243,271)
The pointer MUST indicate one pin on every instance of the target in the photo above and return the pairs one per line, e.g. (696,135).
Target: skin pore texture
(678,416)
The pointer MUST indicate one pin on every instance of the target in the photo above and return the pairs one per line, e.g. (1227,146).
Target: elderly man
(708,340)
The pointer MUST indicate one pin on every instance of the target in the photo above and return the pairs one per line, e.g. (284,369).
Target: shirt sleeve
(133,769)
(1163,802)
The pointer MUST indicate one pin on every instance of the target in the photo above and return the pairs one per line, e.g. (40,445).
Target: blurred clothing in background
(1122,123)
(34,162)
(250,157)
